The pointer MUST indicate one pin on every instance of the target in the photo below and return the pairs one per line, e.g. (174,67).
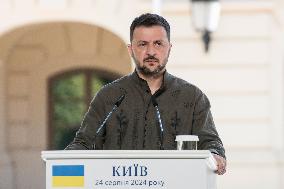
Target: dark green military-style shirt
(183,108)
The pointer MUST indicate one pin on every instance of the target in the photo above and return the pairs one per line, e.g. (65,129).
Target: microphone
(155,104)
(116,105)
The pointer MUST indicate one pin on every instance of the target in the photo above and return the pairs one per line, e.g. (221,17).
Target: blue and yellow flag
(68,175)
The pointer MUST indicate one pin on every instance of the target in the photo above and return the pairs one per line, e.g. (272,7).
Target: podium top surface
(130,154)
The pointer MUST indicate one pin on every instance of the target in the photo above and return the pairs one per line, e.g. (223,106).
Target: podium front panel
(125,172)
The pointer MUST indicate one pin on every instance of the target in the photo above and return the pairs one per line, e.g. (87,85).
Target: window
(70,95)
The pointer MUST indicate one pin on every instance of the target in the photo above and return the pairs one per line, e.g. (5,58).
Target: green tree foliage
(69,106)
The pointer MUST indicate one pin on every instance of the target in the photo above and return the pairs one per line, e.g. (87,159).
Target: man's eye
(142,44)
(158,43)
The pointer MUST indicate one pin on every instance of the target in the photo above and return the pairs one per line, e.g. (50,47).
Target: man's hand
(221,164)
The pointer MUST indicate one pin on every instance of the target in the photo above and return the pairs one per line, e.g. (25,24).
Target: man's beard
(148,72)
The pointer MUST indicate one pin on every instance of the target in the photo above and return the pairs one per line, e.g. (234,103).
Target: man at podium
(148,108)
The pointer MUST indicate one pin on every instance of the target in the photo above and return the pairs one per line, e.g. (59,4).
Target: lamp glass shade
(205,15)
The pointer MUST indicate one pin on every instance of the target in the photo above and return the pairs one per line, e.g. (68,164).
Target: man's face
(150,49)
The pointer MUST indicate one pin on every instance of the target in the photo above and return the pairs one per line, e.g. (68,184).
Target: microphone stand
(155,104)
(116,105)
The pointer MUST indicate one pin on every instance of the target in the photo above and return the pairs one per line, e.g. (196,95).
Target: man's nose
(151,50)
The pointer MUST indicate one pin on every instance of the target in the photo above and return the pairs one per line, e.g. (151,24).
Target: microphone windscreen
(154,101)
(118,102)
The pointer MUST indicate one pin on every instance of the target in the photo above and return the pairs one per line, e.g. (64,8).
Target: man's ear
(129,48)
(170,48)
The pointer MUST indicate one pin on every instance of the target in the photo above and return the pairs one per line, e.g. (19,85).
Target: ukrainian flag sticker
(68,175)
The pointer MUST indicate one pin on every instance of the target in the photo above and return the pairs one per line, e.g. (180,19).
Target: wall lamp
(205,18)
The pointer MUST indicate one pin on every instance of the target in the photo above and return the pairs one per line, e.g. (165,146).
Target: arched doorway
(31,56)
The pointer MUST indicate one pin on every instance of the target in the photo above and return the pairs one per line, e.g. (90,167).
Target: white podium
(125,169)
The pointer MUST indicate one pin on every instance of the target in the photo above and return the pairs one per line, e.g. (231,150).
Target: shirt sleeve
(204,127)
(86,137)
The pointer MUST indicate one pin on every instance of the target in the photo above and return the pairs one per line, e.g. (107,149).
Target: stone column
(6,174)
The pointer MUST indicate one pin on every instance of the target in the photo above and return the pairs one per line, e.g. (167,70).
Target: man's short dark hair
(149,20)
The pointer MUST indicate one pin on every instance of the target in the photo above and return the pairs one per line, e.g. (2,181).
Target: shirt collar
(167,78)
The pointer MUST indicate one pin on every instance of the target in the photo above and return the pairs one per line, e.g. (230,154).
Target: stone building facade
(242,75)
